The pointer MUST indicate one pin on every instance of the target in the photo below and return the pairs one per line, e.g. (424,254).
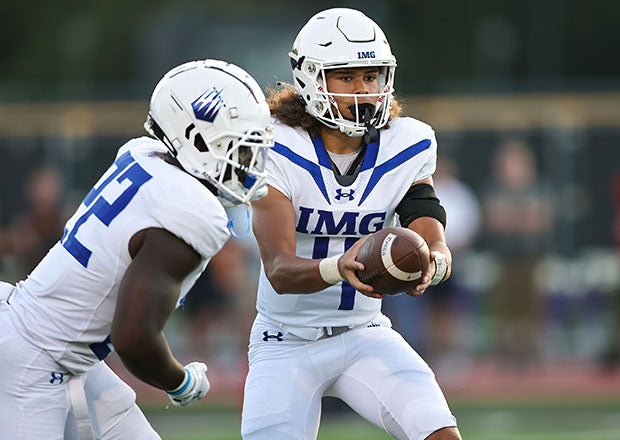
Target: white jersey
(330,217)
(67,303)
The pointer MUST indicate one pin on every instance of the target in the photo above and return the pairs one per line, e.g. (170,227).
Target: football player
(129,254)
(344,165)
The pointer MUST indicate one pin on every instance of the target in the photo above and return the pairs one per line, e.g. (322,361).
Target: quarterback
(344,165)
(128,256)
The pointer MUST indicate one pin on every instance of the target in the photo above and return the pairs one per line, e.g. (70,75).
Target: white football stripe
(388,262)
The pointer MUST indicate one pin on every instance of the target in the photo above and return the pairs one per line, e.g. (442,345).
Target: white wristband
(328,267)
(183,386)
(441,265)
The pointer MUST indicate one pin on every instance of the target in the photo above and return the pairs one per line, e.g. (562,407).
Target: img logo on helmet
(207,106)
(367,54)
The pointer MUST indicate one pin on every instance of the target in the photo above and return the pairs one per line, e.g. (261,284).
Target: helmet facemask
(367,116)
(239,175)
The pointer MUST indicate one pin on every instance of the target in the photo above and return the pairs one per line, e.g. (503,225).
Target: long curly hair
(287,106)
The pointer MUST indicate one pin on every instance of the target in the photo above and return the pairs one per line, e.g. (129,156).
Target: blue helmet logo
(207,106)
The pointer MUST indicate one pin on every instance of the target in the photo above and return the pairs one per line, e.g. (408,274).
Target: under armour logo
(348,195)
(267,336)
(56,377)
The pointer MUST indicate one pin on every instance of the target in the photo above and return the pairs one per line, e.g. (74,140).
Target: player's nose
(360,87)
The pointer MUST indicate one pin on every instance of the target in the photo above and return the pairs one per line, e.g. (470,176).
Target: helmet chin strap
(364,112)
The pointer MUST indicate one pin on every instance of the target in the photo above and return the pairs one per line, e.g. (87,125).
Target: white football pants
(38,399)
(371,368)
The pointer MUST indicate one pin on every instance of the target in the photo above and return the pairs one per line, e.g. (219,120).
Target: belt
(328,332)
(316,333)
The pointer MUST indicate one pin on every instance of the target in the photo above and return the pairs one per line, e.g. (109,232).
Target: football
(394,259)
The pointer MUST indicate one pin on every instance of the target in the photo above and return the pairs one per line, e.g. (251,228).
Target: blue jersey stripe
(321,248)
(321,152)
(313,169)
(370,157)
(347,297)
(392,163)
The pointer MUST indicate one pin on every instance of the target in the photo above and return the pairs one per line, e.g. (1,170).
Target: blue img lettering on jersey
(350,223)
(208,105)
(126,168)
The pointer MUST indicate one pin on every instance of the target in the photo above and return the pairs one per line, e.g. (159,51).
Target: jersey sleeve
(190,211)
(276,166)
(277,174)
(429,165)
(431,160)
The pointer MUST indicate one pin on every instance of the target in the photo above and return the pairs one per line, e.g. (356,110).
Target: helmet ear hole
(200,143)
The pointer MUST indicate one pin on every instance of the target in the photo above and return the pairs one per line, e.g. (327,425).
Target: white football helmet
(215,121)
(342,38)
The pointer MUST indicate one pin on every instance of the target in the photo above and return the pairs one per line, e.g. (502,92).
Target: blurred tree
(74,49)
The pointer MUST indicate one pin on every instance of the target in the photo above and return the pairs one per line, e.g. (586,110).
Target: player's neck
(337,142)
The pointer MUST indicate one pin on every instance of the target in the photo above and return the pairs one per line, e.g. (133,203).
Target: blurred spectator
(431,323)
(616,198)
(611,357)
(35,230)
(208,304)
(461,204)
(4,245)
(450,303)
(220,307)
(519,216)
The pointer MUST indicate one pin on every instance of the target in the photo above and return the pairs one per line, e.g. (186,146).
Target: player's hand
(194,386)
(348,267)
(427,277)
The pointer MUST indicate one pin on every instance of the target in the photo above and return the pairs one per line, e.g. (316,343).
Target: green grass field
(477,421)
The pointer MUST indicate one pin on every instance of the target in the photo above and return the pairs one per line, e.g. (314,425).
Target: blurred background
(525,101)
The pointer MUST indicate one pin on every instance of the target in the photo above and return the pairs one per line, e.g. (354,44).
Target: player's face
(355,81)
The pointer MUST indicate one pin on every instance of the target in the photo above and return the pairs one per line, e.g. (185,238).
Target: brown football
(394,259)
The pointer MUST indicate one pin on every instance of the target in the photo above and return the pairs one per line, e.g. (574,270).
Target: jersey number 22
(126,168)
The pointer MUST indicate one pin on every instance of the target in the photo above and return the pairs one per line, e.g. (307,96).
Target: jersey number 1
(347,295)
